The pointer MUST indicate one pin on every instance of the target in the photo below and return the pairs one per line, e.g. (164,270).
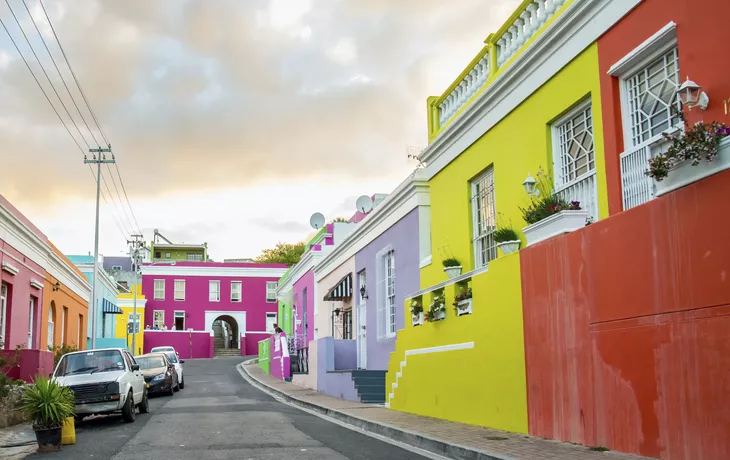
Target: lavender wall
(345,355)
(403,237)
(199,343)
(305,281)
(330,381)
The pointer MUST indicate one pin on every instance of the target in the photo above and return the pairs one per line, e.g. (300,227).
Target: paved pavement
(219,415)
(449,439)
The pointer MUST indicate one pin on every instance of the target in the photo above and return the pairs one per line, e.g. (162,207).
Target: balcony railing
(300,361)
(583,190)
(524,23)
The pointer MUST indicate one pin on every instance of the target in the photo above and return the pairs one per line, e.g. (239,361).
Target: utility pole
(135,246)
(98,156)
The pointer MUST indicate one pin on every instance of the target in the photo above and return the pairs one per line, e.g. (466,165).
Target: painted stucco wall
(280,362)
(306,281)
(626,328)
(196,344)
(697,60)
(402,237)
(482,384)
(264,354)
(323,318)
(105,328)
(331,381)
(67,308)
(519,144)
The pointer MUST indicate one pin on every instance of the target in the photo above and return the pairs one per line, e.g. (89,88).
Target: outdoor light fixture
(337,312)
(530,185)
(691,95)
(363,292)
(57,286)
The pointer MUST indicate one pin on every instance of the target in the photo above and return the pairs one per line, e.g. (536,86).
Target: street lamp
(691,95)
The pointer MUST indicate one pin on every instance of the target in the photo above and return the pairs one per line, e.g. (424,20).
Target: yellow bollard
(68,432)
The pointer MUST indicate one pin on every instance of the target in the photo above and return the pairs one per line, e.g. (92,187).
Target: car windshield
(90,362)
(171,357)
(162,349)
(150,362)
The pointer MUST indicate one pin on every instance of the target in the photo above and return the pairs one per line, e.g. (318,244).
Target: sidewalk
(17,442)
(449,439)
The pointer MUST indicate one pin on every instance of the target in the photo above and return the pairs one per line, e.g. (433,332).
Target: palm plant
(46,404)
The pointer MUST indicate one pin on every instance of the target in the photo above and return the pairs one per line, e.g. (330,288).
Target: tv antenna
(413,152)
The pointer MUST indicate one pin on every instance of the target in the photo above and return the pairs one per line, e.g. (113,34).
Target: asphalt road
(221,416)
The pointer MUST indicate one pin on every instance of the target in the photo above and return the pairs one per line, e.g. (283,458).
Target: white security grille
(652,97)
(636,187)
(485,218)
(390,292)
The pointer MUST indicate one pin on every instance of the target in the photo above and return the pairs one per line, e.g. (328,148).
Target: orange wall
(702,36)
(76,306)
(627,328)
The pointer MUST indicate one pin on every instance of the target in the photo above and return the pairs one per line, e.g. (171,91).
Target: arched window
(51,318)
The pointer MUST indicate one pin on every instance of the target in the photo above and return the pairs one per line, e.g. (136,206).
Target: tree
(283,253)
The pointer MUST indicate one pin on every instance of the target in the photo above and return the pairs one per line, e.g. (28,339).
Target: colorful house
(43,299)
(130,324)
(228,307)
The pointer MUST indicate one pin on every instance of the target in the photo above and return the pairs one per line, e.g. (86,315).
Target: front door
(31,315)
(362,343)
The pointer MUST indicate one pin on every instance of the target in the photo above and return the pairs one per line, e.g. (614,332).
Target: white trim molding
(580,25)
(35,284)
(213,271)
(654,45)
(11,269)
(412,193)
(308,261)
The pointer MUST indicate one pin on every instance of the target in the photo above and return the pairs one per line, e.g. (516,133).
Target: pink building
(235,303)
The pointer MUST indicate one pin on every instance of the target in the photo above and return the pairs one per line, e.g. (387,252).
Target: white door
(362,343)
(31,315)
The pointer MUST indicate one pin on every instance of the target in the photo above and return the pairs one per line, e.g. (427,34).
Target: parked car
(103,381)
(165,349)
(159,373)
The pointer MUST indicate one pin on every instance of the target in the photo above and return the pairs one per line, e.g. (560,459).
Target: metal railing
(300,361)
(585,191)
(636,187)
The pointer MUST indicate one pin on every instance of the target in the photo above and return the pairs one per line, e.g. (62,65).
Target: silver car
(175,360)
(104,381)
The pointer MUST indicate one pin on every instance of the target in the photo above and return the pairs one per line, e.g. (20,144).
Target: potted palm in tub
(452,267)
(507,240)
(47,405)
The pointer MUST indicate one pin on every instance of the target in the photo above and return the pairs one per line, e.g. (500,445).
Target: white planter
(463,307)
(453,272)
(439,316)
(557,224)
(685,174)
(417,320)
(508,247)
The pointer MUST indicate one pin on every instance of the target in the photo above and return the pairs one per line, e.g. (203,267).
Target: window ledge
(651,46)
(458,279)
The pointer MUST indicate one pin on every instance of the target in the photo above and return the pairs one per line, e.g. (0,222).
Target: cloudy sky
(232,121)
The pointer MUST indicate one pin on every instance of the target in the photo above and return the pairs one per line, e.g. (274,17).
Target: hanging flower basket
(462,303)
(508,247)
(686,172)
(416,313)
(437,311)
(556,224)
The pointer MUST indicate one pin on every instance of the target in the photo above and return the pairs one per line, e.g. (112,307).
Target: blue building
(106,304)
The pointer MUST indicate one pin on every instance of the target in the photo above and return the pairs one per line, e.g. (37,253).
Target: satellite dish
(317,220)
(364,204)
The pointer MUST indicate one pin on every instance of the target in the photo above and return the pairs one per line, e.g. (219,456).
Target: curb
(432,445)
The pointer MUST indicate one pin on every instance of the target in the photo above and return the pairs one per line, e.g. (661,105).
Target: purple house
(224,308)
(361,302)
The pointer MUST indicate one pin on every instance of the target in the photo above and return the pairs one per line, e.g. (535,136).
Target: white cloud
(344,51)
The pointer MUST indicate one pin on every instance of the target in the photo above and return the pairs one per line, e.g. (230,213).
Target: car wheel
(144,407)
(177,384)
(182,383)
(129,412)
(172,388)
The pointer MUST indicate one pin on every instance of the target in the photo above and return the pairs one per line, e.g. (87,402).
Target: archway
(225,332)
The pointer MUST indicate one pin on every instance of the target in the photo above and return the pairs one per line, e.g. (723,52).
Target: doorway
(179,321)
(31,322)
(225,332)
(362,343)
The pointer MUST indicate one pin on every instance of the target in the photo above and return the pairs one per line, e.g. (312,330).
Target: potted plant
(47,405)
(452,267)
(462,302)
(437,310)
(416,313)
(682,163)
(507,239)
(550,215)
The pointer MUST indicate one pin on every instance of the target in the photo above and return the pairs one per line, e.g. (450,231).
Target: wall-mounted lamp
(530,185)
(56,287)
(337,312)
(691,95)
(363,292)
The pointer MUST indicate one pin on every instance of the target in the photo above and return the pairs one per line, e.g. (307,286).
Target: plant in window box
(507,239)
(416,313)
(462,302)
(682,163)
(437,310)
(452,267)
(550,215)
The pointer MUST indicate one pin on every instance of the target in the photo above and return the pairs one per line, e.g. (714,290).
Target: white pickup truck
(104,381)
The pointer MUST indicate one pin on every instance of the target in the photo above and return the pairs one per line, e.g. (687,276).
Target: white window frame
(194,257)
(214,291)
(3,313)
(268,316)
(168,255)
(239,290)
(175,316)
(79,331)
(478,237)
(117,267)
(576,189)
(386,302)
(51,329)
(161,297)
(269,290)
(361,281)
(64,315)
(175,296)
(155,320)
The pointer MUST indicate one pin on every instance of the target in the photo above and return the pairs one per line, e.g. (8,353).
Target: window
(64,324)
(347,325)
(214,291)
(574,158)
(271,291)
(50,326)
(167,255)
(361,283)
(651,96)
(158,254)
(159,289)
(158,319)
(78,328)
(270,321)
(195,257)
(179,320)
(179,289)
(3,313)
(117,267)
(235,291)
(484,213)
(386,293)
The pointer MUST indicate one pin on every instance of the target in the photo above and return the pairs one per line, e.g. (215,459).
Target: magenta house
(205,309)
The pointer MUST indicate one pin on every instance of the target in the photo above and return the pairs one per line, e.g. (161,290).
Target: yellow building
(126,303)
(528,102)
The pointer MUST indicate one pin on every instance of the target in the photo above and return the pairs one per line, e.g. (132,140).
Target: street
(221,416)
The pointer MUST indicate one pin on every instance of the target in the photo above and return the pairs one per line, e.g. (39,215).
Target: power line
(122,232)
